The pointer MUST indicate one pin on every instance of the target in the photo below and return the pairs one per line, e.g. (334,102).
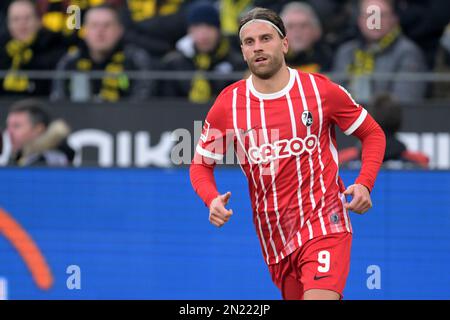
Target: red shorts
(321,263)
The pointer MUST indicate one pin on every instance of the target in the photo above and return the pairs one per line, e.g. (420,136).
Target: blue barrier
(144,234)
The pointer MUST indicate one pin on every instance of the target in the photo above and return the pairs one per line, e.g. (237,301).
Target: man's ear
(285,44)
(242,51)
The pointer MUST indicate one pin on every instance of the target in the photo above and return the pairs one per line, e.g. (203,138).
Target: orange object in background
(27,249)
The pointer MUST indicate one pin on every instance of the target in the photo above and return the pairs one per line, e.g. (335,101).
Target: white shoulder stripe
(355,125)
(208,154)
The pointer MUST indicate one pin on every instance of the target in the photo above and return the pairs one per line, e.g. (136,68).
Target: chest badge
(307,118)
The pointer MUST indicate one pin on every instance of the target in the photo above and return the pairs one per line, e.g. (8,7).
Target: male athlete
(281,122)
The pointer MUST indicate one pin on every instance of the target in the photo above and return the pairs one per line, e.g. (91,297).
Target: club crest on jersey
(307,118)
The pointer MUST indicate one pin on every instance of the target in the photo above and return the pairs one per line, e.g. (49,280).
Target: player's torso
(283,138)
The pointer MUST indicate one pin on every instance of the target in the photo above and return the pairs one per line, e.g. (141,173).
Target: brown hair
(264,14)
(34,108)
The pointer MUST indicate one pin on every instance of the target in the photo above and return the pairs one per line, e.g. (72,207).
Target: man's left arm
(353,119)
(373,143)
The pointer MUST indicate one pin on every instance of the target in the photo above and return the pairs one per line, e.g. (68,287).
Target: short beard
(274,67)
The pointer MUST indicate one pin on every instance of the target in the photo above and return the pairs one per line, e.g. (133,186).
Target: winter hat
(203,12)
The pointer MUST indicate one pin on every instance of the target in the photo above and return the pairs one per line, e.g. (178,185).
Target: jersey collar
(273,95)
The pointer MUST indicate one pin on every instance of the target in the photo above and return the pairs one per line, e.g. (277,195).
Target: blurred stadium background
(129,88)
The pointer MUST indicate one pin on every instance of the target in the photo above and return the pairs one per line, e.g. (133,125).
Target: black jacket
(317,59)
(222,60)
(424,21)
(42,54)
(123,57)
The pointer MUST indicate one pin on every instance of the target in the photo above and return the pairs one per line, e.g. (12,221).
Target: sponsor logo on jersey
(282,149)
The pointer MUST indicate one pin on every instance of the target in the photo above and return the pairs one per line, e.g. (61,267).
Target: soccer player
(282,122)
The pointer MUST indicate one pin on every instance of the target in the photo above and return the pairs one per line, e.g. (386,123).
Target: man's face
(388,19)
(205,37)
(23,22)
(263,49)
(21,130)
(103,31)
(301,30)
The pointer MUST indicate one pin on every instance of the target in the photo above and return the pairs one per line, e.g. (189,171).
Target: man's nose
(258,46)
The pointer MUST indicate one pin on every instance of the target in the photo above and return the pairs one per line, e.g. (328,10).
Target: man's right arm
(210,149)
(202,180)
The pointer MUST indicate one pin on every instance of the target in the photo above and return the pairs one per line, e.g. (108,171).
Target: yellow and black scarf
(20,53)
(201,90)
(364,59)
(115,83)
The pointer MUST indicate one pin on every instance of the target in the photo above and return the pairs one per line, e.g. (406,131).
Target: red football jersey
(286,146)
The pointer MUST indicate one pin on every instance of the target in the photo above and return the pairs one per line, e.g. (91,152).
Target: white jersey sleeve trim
(208,154)
(357,123)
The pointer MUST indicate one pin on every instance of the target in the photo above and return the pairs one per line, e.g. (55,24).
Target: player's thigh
(284,276)
(321,294)
(291,288)
(325,264)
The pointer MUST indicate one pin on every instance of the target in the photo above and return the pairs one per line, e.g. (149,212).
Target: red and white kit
(286,145)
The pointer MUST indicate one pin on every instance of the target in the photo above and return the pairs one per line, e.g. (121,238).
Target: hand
(218,214)
(361,201)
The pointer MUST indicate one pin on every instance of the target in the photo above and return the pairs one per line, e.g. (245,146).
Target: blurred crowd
(75,38)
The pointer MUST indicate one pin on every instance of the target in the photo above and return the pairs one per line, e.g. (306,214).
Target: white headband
(260,20)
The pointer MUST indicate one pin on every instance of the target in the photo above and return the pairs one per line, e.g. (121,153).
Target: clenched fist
(361,201)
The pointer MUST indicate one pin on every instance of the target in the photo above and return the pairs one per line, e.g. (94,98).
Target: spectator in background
(27,46)
(55,16)
(306,50)
(104,50)
(154,25)
(337,18)
(424,22)
(35,139)
(203,49)
(380,49)
(441,90)
(388,114)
